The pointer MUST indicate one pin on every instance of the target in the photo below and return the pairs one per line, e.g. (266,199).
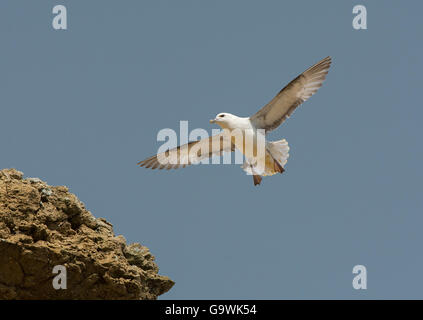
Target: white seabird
(268,118)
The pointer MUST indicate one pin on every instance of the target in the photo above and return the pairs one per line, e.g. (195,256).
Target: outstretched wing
(289,98)
(190,153)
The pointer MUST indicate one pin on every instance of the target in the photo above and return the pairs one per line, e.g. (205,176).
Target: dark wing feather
(190,153)
(290,97)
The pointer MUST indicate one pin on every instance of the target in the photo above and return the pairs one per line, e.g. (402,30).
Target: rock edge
(43,226)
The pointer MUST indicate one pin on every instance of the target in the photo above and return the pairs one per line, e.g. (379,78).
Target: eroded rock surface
(43,226)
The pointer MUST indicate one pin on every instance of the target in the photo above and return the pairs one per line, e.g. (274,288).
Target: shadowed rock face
(43,226)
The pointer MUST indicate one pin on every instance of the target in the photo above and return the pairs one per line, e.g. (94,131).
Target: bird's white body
(259,153)
(237,125)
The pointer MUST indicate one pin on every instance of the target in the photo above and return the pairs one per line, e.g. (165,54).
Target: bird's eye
(221,116)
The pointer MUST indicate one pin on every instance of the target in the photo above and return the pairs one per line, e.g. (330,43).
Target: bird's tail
(279,150)
(277,153)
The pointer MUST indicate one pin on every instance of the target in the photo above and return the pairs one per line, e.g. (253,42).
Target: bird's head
(225,120)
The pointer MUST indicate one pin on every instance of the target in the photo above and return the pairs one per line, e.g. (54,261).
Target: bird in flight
(271,116)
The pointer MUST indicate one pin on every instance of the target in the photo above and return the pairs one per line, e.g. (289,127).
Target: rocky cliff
(42,227)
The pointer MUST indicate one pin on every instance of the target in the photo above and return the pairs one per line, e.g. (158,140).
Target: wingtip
(329,60)
(140,163)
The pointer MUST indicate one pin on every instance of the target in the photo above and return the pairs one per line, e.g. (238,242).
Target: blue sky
(80,107)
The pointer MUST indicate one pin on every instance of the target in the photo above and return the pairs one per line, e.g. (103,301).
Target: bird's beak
(213,121)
